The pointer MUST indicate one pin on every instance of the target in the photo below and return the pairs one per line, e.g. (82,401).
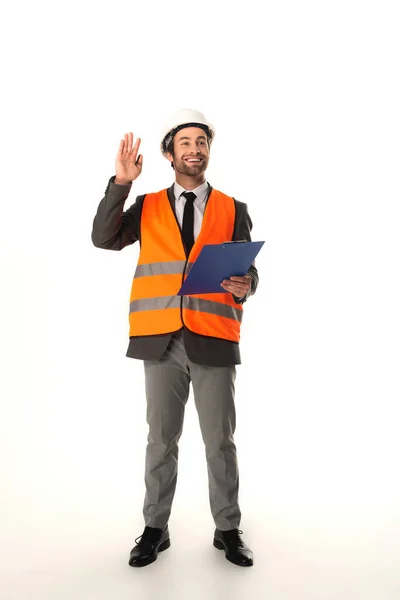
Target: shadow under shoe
(153,540)
(236,550)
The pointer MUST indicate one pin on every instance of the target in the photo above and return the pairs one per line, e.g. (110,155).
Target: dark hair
(170,147)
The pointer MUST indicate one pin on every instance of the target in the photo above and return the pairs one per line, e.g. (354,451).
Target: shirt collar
(200,191)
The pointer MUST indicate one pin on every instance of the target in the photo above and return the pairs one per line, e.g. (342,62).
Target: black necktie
(188,221)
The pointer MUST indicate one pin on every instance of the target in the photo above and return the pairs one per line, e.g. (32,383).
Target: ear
(171,159)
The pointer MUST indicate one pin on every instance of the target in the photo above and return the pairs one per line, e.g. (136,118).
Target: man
(181,338)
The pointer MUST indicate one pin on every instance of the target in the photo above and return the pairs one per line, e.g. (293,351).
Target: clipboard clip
(234,242)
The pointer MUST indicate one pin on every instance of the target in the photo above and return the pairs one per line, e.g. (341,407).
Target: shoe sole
(220,546)
(163,546)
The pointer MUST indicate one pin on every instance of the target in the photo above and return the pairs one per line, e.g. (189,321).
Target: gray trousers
(167,390)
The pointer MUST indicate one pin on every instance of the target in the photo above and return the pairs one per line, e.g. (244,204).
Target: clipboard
(217,262)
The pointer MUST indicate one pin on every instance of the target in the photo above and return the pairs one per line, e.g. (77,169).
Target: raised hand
(128,165)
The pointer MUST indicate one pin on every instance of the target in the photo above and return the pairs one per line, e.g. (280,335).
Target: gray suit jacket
(113,229)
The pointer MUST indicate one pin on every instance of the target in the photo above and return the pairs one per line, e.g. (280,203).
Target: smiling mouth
(194,161)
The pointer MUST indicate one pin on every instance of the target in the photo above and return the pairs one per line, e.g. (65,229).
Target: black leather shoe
(235,549)
(153,540)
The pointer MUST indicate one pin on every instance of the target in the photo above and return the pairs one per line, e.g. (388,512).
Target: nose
(193,151)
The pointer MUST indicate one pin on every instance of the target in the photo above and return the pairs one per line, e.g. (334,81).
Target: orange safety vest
(162,267)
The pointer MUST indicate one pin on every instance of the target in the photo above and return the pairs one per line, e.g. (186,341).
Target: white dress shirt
(198,204)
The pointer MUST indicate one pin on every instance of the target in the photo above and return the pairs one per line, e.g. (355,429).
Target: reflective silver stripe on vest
(214,308)
(164,302)
(159,303)
(162,268)
(197,304)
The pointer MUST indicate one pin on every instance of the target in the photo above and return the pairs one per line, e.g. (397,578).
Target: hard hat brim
(209,130)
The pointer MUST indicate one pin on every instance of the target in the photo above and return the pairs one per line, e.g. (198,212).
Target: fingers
(135,149)
(239,286)
(234,288)
(121,147)
(126,144)
(244,279)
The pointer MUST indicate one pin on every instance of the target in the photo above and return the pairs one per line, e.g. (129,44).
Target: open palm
(128,165)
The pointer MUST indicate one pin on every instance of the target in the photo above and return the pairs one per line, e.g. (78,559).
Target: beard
(190,169)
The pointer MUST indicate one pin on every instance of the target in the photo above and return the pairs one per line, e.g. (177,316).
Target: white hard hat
(185,117)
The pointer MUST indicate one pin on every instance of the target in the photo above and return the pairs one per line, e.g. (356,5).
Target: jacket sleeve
(243,227)
(113,229)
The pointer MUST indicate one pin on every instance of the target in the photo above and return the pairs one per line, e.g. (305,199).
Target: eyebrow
(185,137)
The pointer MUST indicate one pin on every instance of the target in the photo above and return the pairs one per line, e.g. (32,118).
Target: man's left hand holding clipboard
(238,286)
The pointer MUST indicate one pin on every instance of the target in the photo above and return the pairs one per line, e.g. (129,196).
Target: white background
(305,100)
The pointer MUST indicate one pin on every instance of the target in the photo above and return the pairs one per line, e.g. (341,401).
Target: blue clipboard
(217,262)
